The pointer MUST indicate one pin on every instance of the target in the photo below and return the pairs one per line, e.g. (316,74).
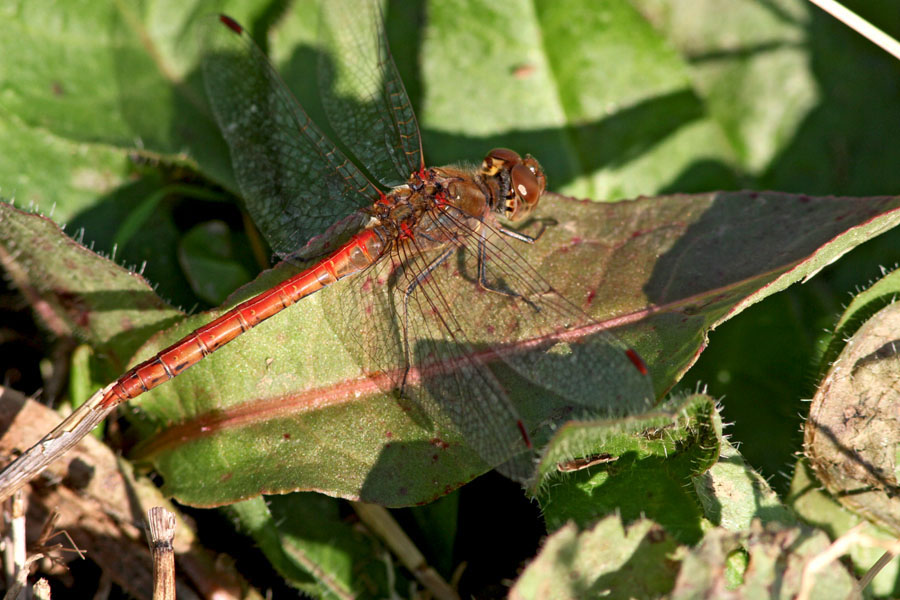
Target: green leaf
(143,212)
(637,561)
(863,306)
(656,453)
(126,84)
(749,68)
(815,506)
(54,174)
(208,259)
(641,560)
(733,494)
(317,550)
(778,556)
(591,90)
(77,292)
(258,415)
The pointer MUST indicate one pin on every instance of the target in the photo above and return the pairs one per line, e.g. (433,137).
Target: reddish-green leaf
(285,407)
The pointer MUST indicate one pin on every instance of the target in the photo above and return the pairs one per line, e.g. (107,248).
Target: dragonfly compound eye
(527,186)
(497,159)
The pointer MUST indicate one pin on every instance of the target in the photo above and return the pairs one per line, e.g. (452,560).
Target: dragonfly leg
(407,293)
(524,237)
(482,268)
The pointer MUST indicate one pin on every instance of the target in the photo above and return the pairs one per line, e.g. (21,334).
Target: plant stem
(860,25)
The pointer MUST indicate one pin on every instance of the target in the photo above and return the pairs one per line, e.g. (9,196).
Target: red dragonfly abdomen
(357,254)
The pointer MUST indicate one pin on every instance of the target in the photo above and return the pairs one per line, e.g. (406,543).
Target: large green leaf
(261,414)
(263,401)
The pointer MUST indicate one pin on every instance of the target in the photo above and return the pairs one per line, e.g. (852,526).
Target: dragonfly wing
(544,337)
(453,373)
(295,182)
(363,317)
(400,325)
(362,93)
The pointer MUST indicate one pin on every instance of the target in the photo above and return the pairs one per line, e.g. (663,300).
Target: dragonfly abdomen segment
(357,254)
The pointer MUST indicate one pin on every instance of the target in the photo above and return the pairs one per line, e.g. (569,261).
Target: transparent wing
(295,182)
(544,337)
(442,321)
(485,307)
(454,377)
(363,95)
(397,322)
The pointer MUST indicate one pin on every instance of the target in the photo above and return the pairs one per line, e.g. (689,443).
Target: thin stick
(860,26)
(881,563)
(838,548)
(21,578)
(161,533)
(15,542)
(380,521)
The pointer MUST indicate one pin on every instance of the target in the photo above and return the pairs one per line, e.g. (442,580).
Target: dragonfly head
(520,181)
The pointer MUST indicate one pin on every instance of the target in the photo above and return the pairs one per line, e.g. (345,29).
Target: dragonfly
(395,233)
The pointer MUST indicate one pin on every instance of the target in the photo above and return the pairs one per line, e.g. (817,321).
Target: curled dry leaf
(853,432)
